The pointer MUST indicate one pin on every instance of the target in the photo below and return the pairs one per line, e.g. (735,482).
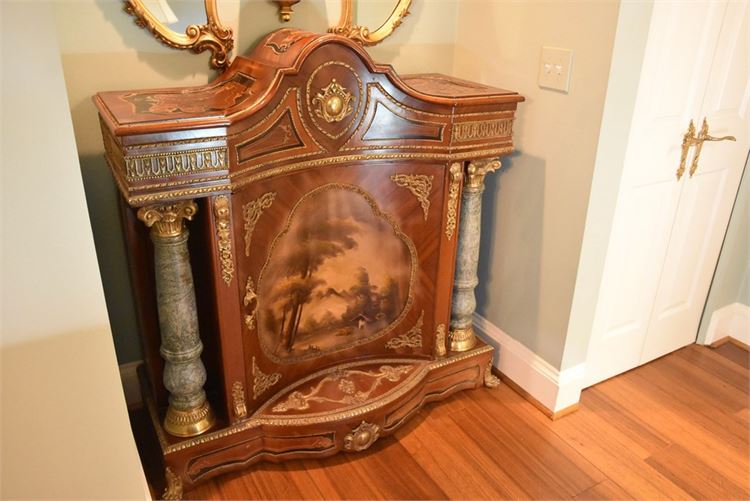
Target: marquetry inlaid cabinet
(303,235)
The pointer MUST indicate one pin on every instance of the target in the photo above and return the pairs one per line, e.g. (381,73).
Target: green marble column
(189,413)
(461,336)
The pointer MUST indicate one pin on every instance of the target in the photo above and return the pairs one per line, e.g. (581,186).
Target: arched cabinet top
(298,98)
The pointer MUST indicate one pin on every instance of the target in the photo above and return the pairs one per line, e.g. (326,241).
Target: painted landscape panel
(340,273)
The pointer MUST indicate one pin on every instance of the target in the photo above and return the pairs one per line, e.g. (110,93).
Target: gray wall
(731,283)
(534,209)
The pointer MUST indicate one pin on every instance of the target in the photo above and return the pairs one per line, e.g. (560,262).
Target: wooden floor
(676,428)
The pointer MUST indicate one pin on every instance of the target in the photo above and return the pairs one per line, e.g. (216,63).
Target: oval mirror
(370,22)
(182,25)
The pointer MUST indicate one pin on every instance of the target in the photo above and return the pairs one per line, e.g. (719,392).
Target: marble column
(461,336)
(189,413)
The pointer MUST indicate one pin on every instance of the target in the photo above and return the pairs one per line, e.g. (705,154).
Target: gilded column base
(462,339)
(189,423)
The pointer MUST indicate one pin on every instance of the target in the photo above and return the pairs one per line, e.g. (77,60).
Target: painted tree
(317,238)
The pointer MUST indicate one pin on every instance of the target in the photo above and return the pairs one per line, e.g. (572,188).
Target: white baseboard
(730,321)
(130,385)
(552,388)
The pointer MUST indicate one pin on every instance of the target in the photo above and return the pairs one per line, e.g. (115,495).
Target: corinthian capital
(167,220)
(477,169)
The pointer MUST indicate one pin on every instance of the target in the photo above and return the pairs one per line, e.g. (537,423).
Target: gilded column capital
(167,220)
(476,171)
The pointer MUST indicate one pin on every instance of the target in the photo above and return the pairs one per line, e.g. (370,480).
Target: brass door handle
(704,136)
(688,140)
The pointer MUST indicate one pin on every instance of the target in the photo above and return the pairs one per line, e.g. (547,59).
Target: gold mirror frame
(212,36)
(362,34)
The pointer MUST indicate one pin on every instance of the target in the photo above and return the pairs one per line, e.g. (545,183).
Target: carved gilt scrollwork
(333,102)
(361,437)
(174,485)
(455,184)
(251,300)
(420,185)
(262,381)
(440,350)
(490,380)
(224,238)
(411,339)
(252,211)
(238,400)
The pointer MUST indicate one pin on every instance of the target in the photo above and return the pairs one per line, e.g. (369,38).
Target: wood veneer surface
(676,428)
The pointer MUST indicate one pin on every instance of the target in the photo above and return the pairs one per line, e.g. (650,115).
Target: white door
(667,233)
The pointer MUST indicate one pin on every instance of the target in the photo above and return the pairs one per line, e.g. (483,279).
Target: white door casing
(666,233)
(707,198)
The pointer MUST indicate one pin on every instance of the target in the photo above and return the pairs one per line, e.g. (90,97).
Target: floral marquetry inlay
(347,387)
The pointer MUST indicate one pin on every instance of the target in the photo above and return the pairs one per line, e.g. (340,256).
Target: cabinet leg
(462,337)
(189,413)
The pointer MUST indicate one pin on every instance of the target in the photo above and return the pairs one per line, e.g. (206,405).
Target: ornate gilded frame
(212,36)
(364,35)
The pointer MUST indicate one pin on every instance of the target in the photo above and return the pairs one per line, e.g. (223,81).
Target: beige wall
(535,209)
(65,431)
(113,53)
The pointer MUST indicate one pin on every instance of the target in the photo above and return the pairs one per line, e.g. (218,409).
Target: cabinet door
(340,263)
(682,40)
(706,200)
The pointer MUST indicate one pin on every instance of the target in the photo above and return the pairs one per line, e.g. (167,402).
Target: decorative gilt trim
(158,165)
(411,339)
(167,220)
(256,420)
(171,196)
(440,350)
(174,485)
(332,103)
(252,211)
(250,298)
(314,105)
(462,339)
(329,161)
(476,171)
(362,34)
(470,131)
(213,35)
(349,392)
(419,184)
(238,400)
(261,381)
(361,437)
(224,238)
(451,219)
(490,380)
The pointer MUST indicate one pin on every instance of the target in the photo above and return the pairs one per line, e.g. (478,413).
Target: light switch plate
(555,67)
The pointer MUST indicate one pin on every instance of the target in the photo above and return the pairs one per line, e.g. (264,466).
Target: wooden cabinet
(309,311)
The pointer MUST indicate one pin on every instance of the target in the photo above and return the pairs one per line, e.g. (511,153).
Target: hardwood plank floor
(676,428)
